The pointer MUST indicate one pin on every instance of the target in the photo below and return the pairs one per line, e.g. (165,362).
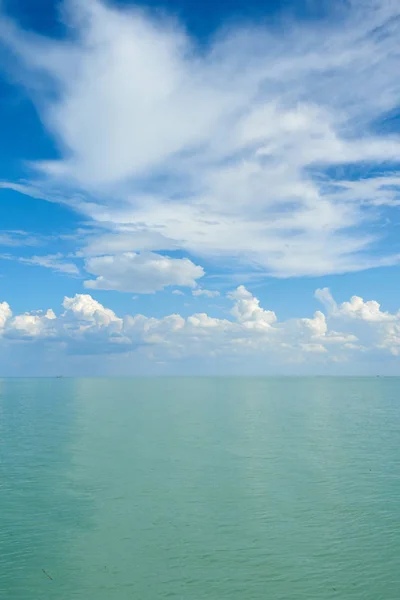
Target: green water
(200,489)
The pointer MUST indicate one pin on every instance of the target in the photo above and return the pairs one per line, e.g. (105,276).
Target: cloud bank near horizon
(352,331)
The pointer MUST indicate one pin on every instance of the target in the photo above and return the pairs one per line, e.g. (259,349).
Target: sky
(199,188)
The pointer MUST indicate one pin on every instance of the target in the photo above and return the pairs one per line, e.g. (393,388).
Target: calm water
(197,489)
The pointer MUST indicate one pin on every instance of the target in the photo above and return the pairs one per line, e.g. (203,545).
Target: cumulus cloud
(5,313)
(261,148)
(83,308)
(366,311)
(85,326)
(247,310)
(365,318)
(31,325)
(143,273)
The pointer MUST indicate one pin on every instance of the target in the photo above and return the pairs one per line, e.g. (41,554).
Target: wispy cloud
(207,293)
(18,238)
(225,153)
(55,262)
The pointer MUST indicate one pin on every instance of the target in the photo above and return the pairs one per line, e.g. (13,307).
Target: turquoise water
(200,489)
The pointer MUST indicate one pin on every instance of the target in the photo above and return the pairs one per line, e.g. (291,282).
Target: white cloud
(85,309)
(241,152)
(207,293)
(5,314)
(17,238)
(31,325)
(56,262)
(317,326)
(254,334)
(144,273)
(86,326)
(366,311)
(247,310)
(325,297)
(313,348)
(25,188)
(126,239)
(375,327)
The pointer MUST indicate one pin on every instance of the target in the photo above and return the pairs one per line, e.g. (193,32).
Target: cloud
(31,325)
(366,311)
(325,297)
(243,152)
(207,293)
(24,188)
(247,310)
(127,239)
(144,273)
(17,238)
(86,327)
(5,314)
(55,262)
(86,309)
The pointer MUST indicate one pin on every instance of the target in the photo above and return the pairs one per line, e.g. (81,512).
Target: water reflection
(39,510)
(199,488)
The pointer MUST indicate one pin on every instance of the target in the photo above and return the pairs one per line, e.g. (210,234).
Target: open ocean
(208,488)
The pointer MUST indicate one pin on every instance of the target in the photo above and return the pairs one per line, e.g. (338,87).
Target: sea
(200,489)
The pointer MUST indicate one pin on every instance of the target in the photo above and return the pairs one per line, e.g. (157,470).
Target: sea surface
(209,488)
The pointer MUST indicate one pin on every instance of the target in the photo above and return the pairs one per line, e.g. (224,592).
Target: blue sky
(178,180)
